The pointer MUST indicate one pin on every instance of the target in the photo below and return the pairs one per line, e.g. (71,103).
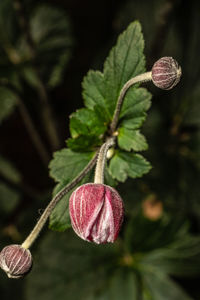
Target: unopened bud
(166,73)
(15,260)
(96,212)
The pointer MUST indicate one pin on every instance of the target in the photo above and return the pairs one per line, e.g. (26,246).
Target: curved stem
(39,225)
(99,172)
(138,79)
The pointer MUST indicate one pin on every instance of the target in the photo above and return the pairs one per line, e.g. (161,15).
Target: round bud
(15,261)
(166,73)
(96,212)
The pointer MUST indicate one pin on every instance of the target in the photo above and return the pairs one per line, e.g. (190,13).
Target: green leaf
(181,258)
(94,92)
(84,143)
(125,61)
(158,286)
(8,103)
(131,140)
(123,285)
(66,164)
(125,164)
(9,199)
(87,122)
(59,219)
(136,103)
(53,42)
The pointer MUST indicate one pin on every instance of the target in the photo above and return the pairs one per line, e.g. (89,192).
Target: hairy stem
(99,172)
(39,225)
(138,79)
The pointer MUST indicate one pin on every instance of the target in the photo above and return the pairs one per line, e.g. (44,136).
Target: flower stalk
(40,224)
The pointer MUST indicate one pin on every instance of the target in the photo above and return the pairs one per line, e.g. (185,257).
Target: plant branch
(39,225)
(137,79)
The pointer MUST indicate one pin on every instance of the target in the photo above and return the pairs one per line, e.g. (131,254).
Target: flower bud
(166,73)
(96,212)
(15,261)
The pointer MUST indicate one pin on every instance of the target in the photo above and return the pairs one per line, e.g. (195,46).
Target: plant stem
(44,155)
(99,171)
(138,79)
(39,225)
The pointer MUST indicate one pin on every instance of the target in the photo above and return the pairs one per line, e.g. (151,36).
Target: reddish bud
(166,73)
(96,212)
(15,261)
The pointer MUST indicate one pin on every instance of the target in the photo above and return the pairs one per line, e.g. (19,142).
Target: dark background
(170,28)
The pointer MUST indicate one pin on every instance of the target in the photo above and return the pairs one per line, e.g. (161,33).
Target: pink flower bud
(166,73)
(15,261)
(96,212)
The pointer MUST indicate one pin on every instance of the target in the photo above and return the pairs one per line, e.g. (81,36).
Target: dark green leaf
(125,61)
(94,92)
(53,42)
(182,258)
(8,103)
(131,140)
(87,122)
(84,143)
(8,171)
(67,164)
(123,285)
(125,164)
(74,268)
(9,198)
(158,286)
(136,103)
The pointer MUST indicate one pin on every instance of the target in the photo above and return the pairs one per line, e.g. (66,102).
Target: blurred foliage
(158,253)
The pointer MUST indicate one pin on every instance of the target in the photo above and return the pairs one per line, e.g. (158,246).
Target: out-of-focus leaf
(8,199)
(181,258)
(143,235)
(158,286)
(74,268)
(123,285)
(53,42)
(67,164)
(7,170)
(131,140)
(8,103)
(125,164)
